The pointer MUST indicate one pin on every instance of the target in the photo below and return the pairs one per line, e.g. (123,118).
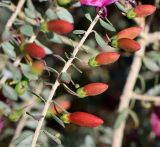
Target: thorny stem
(56,84)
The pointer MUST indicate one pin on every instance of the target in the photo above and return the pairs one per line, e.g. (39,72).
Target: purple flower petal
(97,3)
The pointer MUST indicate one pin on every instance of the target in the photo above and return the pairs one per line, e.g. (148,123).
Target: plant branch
(16,12)
(56,84)
(128,88)
(145,97)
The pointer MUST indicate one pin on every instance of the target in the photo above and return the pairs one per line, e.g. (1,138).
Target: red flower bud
(34,50)
(104,59)
(91,89)
(57,26)
(38,67)
(130,33)
(141,11)
(82,119)
(128,45)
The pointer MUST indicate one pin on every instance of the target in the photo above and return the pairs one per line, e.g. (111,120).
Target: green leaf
(134,117)
(78,32)
(29,13)
(154,90)
(142,82)
(9,92)
(26,69)
(64,14)
(8,49)
(154,55)
(27,30)
(121,117)
(88,16)
(151,64)
(100,40)
(53,137)
(15,115)
(51,14)
(24,139)
(107,26)
(4,108)
(15,72)
(6,35)
(58,120)
(121,7)
(3,61)
(54,38)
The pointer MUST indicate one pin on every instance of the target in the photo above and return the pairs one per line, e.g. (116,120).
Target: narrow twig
(56,84)
(14,15)
(127,92)
(145,97)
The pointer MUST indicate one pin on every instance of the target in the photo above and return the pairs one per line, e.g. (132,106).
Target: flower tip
(131,32)
(141,11)
(128,45)
(85,119)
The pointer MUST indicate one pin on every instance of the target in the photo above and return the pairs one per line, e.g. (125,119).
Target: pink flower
(155,123)
(97,3)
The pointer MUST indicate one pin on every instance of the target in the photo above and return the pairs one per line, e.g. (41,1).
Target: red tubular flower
(92,89)
(38,67)
(104,58)
(130,33)
(128,45)
(82,119)
(57,26)
(34,50)
(141,11)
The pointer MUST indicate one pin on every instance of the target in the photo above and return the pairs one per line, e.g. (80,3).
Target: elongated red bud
(82,119)
(57,26)
(130,33)
(38,67)
(91,89)
(141,11)
(104,58)
(34,50)
(128,45)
